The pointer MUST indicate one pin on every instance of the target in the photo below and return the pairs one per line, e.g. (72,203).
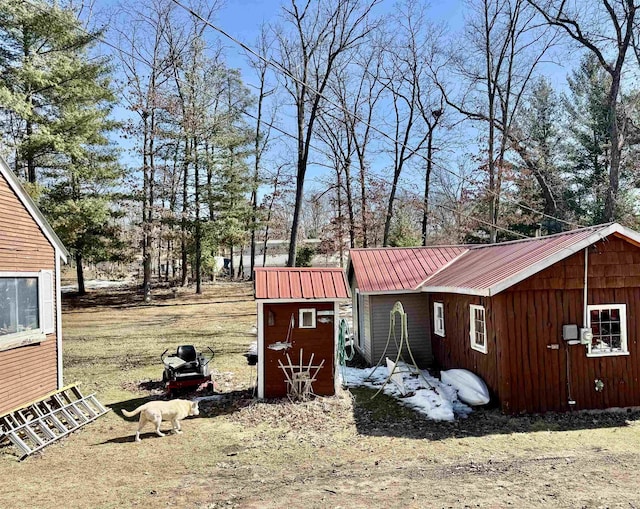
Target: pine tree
(57,99)
(537,139)
(229,205)
(587,126)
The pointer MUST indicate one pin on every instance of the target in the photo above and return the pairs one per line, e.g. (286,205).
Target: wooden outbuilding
(298,320)
(550,323)
(30,323)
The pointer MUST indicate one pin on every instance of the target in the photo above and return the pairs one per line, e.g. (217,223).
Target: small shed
(30,325)
(298,320)
(550,323)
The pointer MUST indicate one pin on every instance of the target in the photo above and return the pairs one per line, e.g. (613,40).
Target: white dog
(158,411)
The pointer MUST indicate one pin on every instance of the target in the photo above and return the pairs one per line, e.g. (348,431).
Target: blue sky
(243,19)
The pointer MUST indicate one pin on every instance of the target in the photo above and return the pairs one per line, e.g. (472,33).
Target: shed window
(608,323)
(307,318)
(26,307)
(478,328)
(438,318)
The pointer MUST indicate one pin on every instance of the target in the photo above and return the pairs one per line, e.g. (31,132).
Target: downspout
(584,288)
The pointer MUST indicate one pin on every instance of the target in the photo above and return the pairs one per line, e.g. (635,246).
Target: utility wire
(279,67)
(473,218)
(293,137)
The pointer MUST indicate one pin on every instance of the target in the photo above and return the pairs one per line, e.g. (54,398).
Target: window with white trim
(478,328)
(438,318)
(26,307)
(608,323)
(307,318)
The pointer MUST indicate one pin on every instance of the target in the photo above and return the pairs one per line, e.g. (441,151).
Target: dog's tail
(134,412)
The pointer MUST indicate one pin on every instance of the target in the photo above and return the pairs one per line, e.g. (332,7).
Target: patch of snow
(95,284)
(426,394)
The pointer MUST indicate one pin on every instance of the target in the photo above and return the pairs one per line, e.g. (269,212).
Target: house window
(608,324)
(307,318)
(26,307)
(478,328)
(438,318)
(19,309)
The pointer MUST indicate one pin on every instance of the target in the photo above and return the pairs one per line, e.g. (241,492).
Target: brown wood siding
(416,306)
(531,315)
(454,349)
(318,341)
(28,372)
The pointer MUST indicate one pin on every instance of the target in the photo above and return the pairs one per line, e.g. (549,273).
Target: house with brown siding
(30,325)
(550,323)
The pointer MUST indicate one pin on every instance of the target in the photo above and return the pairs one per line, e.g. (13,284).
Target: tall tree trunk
(425,211)
(340,219)
(493,199)
(352,219)
(146,254)
(363,201)
(616,152)
(241,263)
(256,177)
(302,170)
(80,273)
(31,165)
(185,208)
(198,229)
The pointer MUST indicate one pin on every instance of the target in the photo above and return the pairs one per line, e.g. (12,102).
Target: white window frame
(472,328)
(301,312)
(438,324)
(624,350)
(46,311)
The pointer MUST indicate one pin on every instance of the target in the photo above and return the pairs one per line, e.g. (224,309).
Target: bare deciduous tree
(323,31)
(146,61)
(406,76)
(504,46)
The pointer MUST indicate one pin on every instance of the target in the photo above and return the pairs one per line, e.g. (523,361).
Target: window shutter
(47,308)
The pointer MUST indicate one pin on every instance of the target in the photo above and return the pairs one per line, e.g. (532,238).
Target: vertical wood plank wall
(319,341)
(454,349)
(28,372)
(520,369)
(543,303)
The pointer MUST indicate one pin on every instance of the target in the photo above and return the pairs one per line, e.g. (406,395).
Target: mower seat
(188,354)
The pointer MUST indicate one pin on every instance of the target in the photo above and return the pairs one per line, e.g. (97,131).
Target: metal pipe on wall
(584,288)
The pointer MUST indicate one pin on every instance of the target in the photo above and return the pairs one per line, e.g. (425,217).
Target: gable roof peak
(32,208)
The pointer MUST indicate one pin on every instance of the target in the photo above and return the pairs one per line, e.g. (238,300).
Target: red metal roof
(301,283)
(483,267)
(389,269)
(472,269)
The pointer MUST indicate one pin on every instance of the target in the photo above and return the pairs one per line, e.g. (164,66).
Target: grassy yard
(333,452)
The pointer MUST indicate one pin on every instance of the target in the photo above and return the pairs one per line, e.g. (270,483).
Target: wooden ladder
(37,424)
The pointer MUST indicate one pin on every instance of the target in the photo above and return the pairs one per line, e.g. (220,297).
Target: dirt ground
(350,451)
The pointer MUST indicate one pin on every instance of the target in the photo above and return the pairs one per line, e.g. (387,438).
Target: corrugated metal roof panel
(297,283)
(483,267)
(392,269)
